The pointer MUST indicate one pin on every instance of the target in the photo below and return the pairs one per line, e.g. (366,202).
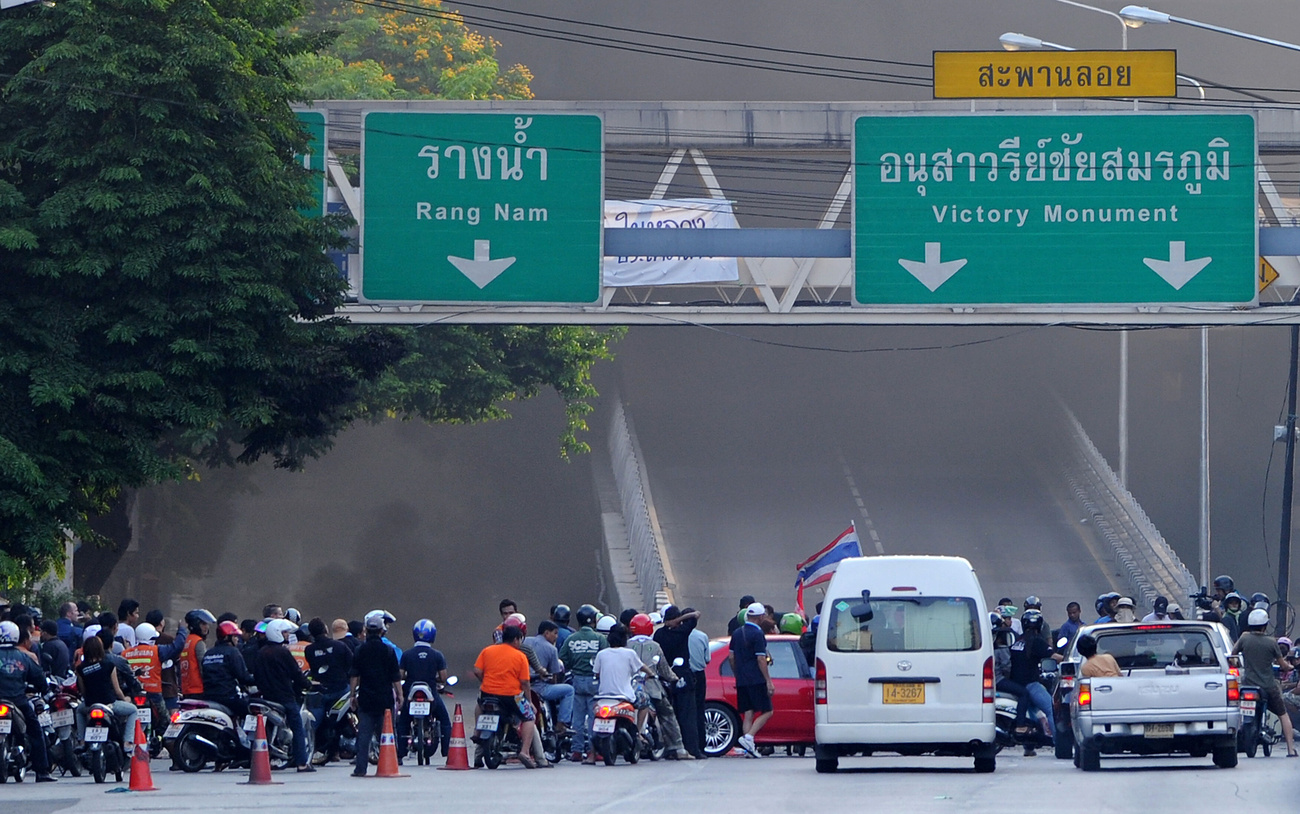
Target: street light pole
(1138,16)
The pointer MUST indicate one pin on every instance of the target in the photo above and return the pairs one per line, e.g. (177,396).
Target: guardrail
(1140,550)
(644,538)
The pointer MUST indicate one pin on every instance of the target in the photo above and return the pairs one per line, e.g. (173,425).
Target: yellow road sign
(1267,274)
(1054,74)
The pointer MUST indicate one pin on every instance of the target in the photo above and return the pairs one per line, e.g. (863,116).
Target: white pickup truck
(1178,692)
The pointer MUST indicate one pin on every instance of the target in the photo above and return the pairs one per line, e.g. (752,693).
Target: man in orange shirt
(502,671)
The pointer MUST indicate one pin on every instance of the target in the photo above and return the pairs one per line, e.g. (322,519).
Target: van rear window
(904,625)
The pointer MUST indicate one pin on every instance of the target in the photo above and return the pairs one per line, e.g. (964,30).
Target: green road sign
(313,121)
(1099,209)
(482,207)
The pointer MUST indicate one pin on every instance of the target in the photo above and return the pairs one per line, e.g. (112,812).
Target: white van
(904,663)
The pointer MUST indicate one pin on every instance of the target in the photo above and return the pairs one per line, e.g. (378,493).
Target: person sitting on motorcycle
(502,671)
(615,667)
(280,681)
(189,664)
(125,675)
(225,673)
(1027,654)
(1259,652)
(560,615)
(98,683)
(329,662)
(656,687)
(18,673)
(422,664)
(546,682)
(56,661)
(146,658)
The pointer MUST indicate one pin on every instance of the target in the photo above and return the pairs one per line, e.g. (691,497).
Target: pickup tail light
(1084,694)
(819,683)
(989,689)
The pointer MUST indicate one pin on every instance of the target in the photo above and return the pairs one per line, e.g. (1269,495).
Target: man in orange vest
(191,658)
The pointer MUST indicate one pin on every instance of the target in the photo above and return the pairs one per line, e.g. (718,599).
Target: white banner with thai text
(682,213)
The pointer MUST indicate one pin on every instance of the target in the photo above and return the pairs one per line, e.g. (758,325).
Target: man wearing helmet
(191,658)
(1027,654)
(224,672)
(18,671)
(1223,586)
(423,664)
(280,681)
(1234,604)
(1259,652)
(648,650)
(560,615)
(579,654)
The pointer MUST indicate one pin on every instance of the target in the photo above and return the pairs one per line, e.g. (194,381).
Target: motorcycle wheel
(4,760)
(190,755)
(605,746)
(97,766)
(1268,749)
(627,744)
(421,736)
(1250,734)
(68,759)
(492,755)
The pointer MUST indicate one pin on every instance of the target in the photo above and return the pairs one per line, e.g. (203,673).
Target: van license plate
(603,726)
(97,734)
(1158,731)
(420,708)
(487,723)
(903,693)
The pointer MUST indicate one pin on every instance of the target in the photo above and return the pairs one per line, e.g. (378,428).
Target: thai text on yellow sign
(1053,74)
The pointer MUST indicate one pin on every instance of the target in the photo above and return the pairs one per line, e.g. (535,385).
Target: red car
(792,720)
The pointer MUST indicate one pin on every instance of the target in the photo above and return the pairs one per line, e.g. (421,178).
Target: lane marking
(862,507)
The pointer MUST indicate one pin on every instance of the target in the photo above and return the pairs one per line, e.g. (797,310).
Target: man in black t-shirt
(1027,654)
(328,663)
(754,688)
(376,684)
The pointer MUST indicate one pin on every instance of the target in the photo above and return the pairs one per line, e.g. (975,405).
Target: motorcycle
(204,731)
(103,751)
(1005,706)
(339,730)
(556,745)
(1257,724)
(424,729)
(145,715)
(61,741)
(13,744)
(614,729)
(497,735)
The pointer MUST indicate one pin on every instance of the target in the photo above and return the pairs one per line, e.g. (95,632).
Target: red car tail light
(989,690)
(819,683)
(1085,694)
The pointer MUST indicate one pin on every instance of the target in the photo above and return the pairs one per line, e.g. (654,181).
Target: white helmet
(278,630)
(379,620)
(8,633)
(145,633)
(91,630)
(1257,618)
(293,615)
(606,623)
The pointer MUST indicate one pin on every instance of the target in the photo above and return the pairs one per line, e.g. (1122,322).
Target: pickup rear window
(904,625)
(1144,649)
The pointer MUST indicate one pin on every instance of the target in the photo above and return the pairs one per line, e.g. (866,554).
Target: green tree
(428,54)
(164,299)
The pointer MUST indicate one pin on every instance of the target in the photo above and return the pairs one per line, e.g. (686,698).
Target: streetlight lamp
(1136,17)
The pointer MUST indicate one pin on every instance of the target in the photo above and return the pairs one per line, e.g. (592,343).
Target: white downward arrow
(1177,270)
(482,269)
(932,273)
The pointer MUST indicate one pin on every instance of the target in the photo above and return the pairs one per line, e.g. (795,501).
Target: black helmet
(587,615)
(561,614)
(1224,582)
(1232,596)
(1033,602)
(197,616)
(1032,619)
(1260,600)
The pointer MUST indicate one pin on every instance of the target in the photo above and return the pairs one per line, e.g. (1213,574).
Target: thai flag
(821,566)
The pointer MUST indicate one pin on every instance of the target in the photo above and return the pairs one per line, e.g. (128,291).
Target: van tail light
(97,714)
(989,689)
(1084,694)
(819,683)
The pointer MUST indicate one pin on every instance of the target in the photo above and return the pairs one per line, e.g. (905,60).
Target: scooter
(205,732)
(614,729)
(496,734)
(13,744)
(61,742)
(424,729)
(1257,724)
(103,751)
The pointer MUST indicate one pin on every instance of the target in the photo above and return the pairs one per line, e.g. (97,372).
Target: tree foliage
(424,52)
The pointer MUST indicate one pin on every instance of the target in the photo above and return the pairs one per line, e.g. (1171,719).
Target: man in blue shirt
(754,688)
(1071,627)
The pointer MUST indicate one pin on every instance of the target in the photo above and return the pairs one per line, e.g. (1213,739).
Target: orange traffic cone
(259,763)
(141,778)
(458,752)
(388,749)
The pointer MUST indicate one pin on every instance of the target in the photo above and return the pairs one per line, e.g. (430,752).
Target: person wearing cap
(739,619)
(376,687)
(1259,652)
(1125,610)
(754,688)
(224,672)
(1175,611)
(1159,611)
